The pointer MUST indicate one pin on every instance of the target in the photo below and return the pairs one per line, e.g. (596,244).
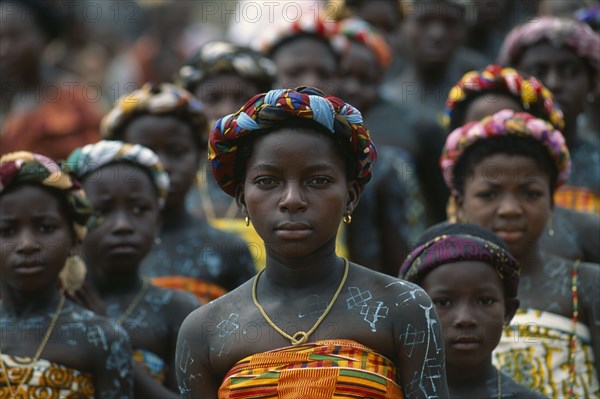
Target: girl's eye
(265,181)
(6,231)
(441,302)
(486,195)
(533,194)
(487,301)
(320,180)
(139,209)
(48,228)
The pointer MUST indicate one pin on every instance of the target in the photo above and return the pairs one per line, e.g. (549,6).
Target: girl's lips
(292,234)
(28,269)
(466,343)
(509,235)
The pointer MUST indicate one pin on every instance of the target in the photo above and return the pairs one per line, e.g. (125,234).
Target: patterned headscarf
(505,123)
(269,110)
(357,30)
(90,158)
(150,99)
(307,25)
(535,98)
(559,32)
(452,248)
(224,57)
(26,167)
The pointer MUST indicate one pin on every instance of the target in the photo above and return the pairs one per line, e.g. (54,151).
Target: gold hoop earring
(73,273)
(247,219)
(347,218)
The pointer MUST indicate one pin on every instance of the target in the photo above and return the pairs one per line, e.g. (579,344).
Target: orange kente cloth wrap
(329,369)
(577,198)
(203,290)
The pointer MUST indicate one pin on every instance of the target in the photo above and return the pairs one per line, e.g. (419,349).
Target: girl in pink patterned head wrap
(565,55)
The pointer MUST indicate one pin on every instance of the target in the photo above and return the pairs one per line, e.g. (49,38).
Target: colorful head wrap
(272,109)
(89,158)
(535,98)
(559,32)
(452,248)
(163,99)
(357,30)
(505,123)
(224,57)
(307,25)
(26,167)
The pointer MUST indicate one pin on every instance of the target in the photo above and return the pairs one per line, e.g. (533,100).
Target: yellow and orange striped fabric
(205,291)
(329,369)
(577,198)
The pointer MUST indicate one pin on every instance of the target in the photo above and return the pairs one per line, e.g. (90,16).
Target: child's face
(127,215)
(359,77)
(469,300)
(173,141)
(306,62)
(35,238)
(489,104)
(563,72)
(509,195)
(224,94)
(296,191)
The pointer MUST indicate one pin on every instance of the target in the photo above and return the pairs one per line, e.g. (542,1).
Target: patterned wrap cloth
(505,123)
(153,364)
(308,25)
(44,380)
(270,110)
(150,99)
(535,98)
(90,158)
(26,167)
(357,30)
(326,369)
(559,32)
(446,249)
(218,57)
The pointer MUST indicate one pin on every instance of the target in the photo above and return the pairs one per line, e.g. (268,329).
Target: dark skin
(515,203)
(360,75)
(124,197)
(574,232)
(469,297)
(306,61)
(297,198)
(21,42)
(36,237)
(224,93)
(432,33)
(565,74)
(179,151)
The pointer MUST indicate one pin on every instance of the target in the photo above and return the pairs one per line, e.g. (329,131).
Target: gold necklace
(133,303)
(300,337)
(38,353)
(499,384)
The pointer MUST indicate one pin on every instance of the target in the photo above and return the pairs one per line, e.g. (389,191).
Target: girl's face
(469,299)
(296,191)
(35,238)
(360,74)
(127,217)
(510,195)
(173,141)
(306,62)
(563,72)
(224,94)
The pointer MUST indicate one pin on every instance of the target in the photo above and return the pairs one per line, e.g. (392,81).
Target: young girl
(472,280)
(127,188)
(503,171)
(189,253)
(313,324)
(224,76)
(569,234)
(50,346)
(565,55)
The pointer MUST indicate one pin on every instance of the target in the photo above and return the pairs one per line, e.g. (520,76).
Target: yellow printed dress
(329,369)
(44,380)
(534,350)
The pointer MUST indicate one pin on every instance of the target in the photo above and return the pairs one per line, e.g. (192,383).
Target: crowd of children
(383,199)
